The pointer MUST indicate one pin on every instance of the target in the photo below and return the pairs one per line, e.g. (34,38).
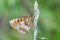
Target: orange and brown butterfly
(22,25)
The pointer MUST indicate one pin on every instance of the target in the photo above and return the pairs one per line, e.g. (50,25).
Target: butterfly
(22,25)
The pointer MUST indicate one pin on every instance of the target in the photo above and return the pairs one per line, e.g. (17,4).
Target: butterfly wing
(22,25)
(13,23)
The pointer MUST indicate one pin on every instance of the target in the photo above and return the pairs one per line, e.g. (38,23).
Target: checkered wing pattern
(22,25)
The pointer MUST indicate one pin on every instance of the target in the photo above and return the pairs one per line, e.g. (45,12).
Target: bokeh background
(48,23)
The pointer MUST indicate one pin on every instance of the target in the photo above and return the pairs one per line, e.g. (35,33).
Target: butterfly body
(22,25)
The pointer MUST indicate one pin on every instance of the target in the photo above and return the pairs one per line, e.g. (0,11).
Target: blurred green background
(48,23)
